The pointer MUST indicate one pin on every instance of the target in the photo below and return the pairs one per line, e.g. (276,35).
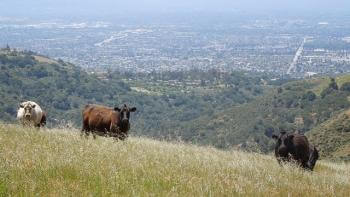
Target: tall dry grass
(59,162)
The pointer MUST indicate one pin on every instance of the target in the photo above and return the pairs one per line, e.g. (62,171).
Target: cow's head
(284,145)
(312,158)
(28,110)
(125,113)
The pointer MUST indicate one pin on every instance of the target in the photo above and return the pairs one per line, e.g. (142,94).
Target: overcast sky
(103,7)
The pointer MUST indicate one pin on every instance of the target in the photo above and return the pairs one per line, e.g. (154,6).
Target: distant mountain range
(112,9)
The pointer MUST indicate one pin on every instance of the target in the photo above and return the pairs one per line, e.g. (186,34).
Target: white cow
(30,113)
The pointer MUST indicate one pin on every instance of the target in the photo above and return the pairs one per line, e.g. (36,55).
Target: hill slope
(61,163)
(333,137)
(226,110)
(294,106)
(62,89)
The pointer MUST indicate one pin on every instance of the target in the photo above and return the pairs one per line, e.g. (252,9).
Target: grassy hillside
(225,110)
(294,106)
(333,137)
(169,101)
(61,163)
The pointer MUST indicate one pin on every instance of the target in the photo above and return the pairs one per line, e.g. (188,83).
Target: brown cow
(295,147)
(107,121)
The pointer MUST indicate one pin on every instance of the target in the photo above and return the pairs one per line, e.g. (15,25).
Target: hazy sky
(108,7)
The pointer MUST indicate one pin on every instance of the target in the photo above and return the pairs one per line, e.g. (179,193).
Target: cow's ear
(133,109)
(116,109)
(275,137)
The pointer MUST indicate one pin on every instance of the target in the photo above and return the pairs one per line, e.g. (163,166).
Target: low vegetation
(292,107)
(59,162)
(333,137)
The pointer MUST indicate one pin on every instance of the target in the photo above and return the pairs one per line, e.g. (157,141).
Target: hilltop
(56,162)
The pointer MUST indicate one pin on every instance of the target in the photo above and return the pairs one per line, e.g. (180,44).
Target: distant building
(309,74)
(323,23)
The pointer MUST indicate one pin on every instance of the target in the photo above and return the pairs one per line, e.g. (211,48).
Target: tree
(333,84)
(7,47)
(332,87)
(309,95)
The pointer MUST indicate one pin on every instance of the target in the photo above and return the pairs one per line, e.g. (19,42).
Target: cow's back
(96,117)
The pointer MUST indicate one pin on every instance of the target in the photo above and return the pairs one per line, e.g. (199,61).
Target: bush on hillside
(345,87)
(332,87)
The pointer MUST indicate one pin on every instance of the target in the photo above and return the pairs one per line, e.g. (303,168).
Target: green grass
(61,163)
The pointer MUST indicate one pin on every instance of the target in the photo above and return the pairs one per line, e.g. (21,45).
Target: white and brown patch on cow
(30,114)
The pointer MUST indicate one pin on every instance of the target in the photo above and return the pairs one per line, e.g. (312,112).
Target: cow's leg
(86,128)
(114,131)
(300,163)
(122,136)
(94,131)
(85,131)
(300,160)
(280,160)
(82,132)
(43,121)
(304,164)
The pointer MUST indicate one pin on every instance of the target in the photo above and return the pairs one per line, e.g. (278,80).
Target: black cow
(295,147)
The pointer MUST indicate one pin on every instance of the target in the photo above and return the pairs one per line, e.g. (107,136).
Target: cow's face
(125,113)
(28,110)
(284,144)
